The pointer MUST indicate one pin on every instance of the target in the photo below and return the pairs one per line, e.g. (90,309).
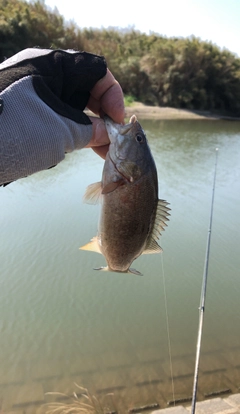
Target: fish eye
(139,138)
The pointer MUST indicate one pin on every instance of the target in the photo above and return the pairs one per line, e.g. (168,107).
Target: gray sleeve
(32,136)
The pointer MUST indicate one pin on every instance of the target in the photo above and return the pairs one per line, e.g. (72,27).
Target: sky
(217,21)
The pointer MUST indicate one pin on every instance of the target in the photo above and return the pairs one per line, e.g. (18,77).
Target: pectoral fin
(130,170)
(93,193)
(110,187)
(92,246)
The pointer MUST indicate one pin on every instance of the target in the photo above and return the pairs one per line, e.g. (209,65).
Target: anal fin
(92,246)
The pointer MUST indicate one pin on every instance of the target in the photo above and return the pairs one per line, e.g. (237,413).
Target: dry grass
(83,403)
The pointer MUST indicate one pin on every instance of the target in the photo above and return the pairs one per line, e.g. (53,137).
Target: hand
(43,94)
(106,98)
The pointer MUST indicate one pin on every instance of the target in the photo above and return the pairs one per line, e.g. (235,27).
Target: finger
(107,96)
(94,105)
(101,151)
(99,133)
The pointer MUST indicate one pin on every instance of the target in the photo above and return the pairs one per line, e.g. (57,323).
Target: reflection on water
(61,322)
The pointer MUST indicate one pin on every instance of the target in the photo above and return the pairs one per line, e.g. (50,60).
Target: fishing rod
(203,294)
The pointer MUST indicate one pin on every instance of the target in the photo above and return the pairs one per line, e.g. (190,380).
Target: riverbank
(166,113)
(155,112)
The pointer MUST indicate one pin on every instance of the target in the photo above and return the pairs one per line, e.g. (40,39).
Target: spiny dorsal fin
(161,218)
(93,193)
(159,224)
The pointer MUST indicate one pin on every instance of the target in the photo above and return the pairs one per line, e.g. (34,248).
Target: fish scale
(132,217)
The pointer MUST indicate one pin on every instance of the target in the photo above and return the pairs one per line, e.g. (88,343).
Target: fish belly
(125,223)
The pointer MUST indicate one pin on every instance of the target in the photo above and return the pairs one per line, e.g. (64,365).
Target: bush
(177,72)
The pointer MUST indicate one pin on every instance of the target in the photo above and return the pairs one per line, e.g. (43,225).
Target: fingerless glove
(42,97)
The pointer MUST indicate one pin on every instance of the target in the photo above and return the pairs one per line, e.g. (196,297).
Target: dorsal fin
(161,218)
(152,247)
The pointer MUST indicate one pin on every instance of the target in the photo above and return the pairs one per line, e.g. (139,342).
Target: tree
(177,72)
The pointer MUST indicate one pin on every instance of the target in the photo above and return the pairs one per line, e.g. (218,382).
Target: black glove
(42,97)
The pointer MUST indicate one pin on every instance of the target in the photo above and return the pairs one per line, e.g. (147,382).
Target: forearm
(25,150)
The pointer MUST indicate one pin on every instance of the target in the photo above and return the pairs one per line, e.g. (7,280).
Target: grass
(129,100)
(90,405)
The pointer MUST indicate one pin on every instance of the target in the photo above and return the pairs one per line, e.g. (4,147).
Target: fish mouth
(114,129)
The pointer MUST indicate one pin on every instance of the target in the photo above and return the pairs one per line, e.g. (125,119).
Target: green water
(62,322)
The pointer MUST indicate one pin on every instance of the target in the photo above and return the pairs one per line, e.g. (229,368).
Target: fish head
(128,150)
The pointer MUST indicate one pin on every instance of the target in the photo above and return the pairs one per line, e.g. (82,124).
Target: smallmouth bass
(132,217)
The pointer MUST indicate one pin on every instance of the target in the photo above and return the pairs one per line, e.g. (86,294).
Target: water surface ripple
(61,321)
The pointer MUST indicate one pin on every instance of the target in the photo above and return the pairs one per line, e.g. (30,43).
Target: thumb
(99,141)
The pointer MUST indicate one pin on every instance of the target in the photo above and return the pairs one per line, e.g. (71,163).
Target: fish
(132,217)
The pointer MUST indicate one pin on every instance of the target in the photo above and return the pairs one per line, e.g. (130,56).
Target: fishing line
(168,330)
(203,294)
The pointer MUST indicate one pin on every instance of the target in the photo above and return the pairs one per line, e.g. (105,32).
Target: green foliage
(32,24)
(182,73)
(128,100)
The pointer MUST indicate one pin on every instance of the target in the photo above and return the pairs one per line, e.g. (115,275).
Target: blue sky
(217,21)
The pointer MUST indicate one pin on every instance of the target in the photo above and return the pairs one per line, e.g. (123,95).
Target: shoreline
(167,113)
(143,111)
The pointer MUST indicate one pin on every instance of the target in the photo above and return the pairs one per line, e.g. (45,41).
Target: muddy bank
(156,112)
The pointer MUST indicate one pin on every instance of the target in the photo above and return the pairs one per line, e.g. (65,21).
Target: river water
(62,323)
